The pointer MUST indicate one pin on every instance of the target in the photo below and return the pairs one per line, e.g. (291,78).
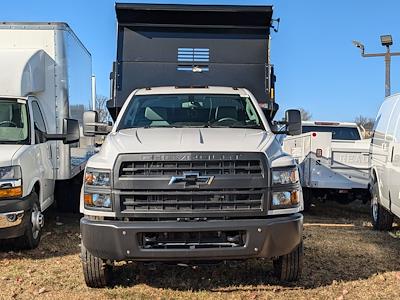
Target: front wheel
(33,231)
(381,218)
(96,271)
(289,267)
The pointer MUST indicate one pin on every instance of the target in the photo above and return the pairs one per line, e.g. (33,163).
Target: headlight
(289,176)
(285,199)
(97,200)
(12,172)
(10,182)
(100,178)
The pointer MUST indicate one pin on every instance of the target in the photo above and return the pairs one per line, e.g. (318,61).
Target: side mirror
(293,122)
(91,125)
(71,131)
(89,119)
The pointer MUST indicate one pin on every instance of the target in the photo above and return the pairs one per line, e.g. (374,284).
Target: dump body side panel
(191,46)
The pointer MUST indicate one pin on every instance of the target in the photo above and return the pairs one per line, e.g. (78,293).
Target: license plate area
(191,240)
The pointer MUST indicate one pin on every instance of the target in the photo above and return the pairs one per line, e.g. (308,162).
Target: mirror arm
(98,132)
(280,131)
(55,137)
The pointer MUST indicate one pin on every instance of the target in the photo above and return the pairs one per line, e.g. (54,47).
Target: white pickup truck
(333,159)
(44,80)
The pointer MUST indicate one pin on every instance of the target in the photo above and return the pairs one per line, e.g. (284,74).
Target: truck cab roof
(173,90)
(329,123)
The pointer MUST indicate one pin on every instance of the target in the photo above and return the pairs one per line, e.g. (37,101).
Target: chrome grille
(177,168)
(194,184)
(187,201)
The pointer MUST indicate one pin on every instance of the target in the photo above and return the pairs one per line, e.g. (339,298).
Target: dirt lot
(344,259)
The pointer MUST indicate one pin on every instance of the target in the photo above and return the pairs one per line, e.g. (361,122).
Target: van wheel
(33,232)
(381,218)
(307,198)
(289,267)
(96,271)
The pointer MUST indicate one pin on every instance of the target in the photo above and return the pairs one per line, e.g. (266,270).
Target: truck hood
(7,153)
(188,139)
(148,140)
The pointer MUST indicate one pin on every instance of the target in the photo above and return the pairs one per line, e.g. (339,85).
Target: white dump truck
(45,83)
(333,159)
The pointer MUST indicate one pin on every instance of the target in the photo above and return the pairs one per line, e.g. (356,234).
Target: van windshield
(338,133)
(13,122)
(191,110)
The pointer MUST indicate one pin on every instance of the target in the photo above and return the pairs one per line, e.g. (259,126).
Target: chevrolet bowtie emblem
(192,179)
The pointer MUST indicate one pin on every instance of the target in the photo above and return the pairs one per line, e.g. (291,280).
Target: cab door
(393,166)
(43,155)
(380,150)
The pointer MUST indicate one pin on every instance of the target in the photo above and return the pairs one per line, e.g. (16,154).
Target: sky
(317,66)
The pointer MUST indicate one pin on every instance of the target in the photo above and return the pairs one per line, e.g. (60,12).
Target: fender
(374,177)
(31,185)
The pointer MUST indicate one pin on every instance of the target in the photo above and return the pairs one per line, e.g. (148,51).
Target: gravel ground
(344,259)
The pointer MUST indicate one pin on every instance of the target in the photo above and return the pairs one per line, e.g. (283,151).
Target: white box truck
(45,82)
(333,159)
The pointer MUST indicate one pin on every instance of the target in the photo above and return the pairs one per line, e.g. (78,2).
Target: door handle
(392,156)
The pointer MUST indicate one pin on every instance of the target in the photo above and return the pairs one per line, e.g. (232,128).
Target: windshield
(13,122)
(338,133)
(190,110)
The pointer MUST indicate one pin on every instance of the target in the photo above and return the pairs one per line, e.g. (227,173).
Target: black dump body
(191,45)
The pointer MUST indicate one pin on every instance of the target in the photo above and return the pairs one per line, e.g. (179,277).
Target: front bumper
(265,238)
(13,217)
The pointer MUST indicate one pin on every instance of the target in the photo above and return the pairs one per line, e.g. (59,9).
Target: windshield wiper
(246,126)
(237,126)
(160,126)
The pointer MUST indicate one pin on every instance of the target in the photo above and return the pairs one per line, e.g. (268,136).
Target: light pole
(386,41)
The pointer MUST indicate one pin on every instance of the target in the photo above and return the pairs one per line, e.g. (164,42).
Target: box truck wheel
(381,218)
(34,225)
(289,267)
(307,198)
(96,271)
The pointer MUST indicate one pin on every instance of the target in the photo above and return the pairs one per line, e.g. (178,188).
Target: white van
(385,164)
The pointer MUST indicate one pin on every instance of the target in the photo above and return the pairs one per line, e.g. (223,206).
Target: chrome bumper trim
(11,219)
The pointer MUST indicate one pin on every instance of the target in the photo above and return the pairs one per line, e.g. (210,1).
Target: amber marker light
(14,192)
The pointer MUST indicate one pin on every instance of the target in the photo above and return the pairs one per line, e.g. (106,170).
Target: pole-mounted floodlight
(359,46)
(386,41)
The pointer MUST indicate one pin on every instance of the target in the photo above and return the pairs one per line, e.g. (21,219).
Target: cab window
(39,123)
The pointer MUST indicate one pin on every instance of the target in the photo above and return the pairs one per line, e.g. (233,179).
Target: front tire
(381,218)
(290,266)
(33,231)
(96,271)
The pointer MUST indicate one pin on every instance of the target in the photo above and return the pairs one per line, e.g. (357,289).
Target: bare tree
(305,114)
(101,107)
(366,122)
